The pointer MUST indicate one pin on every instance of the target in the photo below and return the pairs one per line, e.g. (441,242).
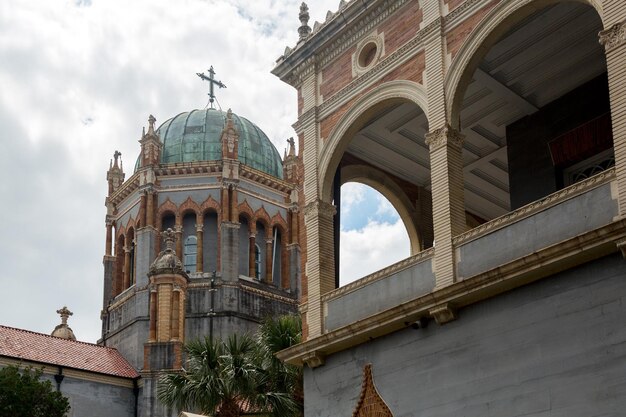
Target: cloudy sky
(78,79)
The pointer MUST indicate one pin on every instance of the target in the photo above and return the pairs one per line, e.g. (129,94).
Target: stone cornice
(447,300)
(265,179)
(125,189)
(462,12)
(189,168)
(378,275)
(614,36)
(340,31)
(536,206)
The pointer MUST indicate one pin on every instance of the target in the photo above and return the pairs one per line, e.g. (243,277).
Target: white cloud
(352,194)
(78,80)
(371,248)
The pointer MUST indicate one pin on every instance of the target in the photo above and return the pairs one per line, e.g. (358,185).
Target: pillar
(268,259)
(200,247)
(320,265)
(150,195)
(614,41)
(446,165)
(234,210)
(251,255)
(126,268)
(108,251)
(179,240)
(153,312)
(446,150)
(175,319)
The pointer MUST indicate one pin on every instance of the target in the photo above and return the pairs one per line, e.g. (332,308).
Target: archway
(529,92)
(380,142)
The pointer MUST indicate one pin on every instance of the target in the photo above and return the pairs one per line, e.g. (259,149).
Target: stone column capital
(445,136)
(199,227)
(319,208)
(178,229)
(613,37)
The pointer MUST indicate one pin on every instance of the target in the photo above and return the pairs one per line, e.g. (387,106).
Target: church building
(201,241)
(497,129)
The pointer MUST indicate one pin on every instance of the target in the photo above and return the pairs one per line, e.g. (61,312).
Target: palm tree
(223,377)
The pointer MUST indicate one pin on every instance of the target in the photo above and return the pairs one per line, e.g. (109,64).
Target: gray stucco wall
(96,399)
(564,221)
(556,347)
(380,295)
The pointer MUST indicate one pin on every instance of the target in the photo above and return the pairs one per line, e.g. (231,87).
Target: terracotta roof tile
(39,347)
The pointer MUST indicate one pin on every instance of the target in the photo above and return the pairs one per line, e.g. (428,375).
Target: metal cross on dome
(212,82)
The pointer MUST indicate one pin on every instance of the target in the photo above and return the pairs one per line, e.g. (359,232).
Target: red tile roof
(39,347)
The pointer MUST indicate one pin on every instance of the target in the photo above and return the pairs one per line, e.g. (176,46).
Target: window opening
(191,253)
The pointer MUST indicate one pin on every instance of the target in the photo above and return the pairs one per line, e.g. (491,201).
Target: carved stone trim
(613,37)
(461,12)
(314,359)
(443,314)
(378,275)
(378,39)
(319,208)
(444,136)
(537,206)
(370,402)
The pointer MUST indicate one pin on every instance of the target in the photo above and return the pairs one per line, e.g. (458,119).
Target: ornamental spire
(304,30)
(212,82)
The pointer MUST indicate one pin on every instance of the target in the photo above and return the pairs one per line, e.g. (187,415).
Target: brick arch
(210,205)
(168,207)
(121,231)
(341,135)
(131,224)
(261,216)
(278,221)
(500,19)
(188,206)
(246,211)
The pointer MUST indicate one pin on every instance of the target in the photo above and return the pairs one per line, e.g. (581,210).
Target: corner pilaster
(320,265)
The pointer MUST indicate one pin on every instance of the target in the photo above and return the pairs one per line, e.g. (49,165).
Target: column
(268,259)
(200,246)
(446,165)
(445,143)
(614,41)
(126,282)
(175,317)
(108,251)
(320,266)
(150,208)
(234,210)
(178,229)
(251,255)
(153,311)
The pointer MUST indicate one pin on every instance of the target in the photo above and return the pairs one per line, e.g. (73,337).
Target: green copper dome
(196,136)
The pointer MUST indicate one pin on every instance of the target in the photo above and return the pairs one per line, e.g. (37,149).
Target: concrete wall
(380,295)
(556,347)
(566,220)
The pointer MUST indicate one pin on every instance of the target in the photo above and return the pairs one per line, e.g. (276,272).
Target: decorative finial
(304,30)
(151,121)
(212,81)
(117,155)
(65,313)
(168,238)
(292,146)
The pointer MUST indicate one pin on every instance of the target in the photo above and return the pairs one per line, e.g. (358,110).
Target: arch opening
(533,105)
(381,147)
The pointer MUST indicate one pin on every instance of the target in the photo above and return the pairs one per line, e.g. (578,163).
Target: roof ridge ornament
(212,82)
(304,30)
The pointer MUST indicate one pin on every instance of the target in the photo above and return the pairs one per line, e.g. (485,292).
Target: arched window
(257,262)
(191,253)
